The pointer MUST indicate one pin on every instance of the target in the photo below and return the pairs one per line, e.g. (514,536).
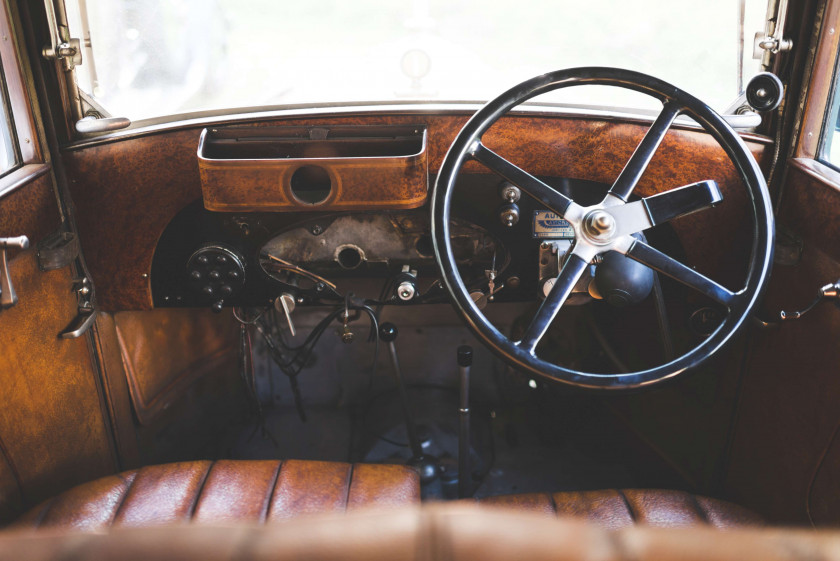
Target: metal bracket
(87,310)
(771,41)
(62,47)
(58,250)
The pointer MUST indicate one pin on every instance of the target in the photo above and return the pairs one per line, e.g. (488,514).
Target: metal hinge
(62,47)
(86,315)
(771,41)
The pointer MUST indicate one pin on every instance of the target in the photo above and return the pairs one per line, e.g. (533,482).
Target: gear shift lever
(426,464)
(465,357)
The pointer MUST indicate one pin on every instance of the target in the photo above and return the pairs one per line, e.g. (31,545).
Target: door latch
(8,296)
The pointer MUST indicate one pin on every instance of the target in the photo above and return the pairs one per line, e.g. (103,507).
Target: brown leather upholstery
(223,492)
(621,508)
(442,532)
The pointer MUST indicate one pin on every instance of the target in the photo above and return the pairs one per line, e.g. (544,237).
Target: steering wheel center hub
(599,226)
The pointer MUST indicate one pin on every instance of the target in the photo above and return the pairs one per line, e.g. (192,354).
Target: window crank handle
(8,296)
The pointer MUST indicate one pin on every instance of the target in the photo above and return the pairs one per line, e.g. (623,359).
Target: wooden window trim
(32,162)
(820,86)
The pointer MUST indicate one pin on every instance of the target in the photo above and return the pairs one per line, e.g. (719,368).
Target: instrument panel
(222,259)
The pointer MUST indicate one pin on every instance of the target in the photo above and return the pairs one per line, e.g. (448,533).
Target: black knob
(202,259)
(465,355)
(765,92)
(226,289)
(217,306)
(388,332)
(215,275)
(195,275)
(208,290)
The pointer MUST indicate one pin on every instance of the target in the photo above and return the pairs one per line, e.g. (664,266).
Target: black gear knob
(388,332)
(465,355)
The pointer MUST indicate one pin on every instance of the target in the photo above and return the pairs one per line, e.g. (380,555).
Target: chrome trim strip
(202,119)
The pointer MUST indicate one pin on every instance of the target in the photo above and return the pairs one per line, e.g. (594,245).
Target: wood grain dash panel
(126,192)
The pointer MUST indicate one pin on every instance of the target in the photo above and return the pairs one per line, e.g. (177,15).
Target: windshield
(150,58)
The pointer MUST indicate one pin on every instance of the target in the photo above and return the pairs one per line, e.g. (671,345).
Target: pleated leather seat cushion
(616,508)
(226,491)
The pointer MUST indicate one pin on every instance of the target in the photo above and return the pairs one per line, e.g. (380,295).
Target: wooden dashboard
(128,189)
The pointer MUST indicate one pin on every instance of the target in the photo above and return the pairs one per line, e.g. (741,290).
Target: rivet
(145,275)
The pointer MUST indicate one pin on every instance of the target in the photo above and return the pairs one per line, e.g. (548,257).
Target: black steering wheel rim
(740,303)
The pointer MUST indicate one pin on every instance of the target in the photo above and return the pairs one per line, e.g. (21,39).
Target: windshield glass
(149,58)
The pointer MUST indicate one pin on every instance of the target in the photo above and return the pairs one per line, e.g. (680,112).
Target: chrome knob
(599,225)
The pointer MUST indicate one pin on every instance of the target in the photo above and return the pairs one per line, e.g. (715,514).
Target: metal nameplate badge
(548,225)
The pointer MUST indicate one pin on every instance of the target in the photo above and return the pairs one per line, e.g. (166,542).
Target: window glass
(9,157)
(830,149)
(147,58)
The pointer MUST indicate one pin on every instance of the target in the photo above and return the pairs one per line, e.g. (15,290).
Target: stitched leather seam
(349,484)
(700,511)
(271,489)
(125,495)
(630,510)
(553,502)
(200,490)
(43,514)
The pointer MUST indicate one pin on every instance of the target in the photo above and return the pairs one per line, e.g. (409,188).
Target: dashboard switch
(286,303)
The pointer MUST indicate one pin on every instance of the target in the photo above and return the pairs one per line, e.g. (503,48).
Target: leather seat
(616,508)
(440,532)
(225,491)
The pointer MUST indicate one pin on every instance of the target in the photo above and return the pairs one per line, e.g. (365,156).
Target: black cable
(293,366)
(662,317)
(605,345)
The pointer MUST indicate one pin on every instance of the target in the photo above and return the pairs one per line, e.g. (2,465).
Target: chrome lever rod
(388,334)
(465,357)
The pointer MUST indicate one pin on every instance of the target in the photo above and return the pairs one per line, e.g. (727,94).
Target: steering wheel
(609,225)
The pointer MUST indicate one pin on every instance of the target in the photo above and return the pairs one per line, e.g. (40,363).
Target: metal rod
(388,334)
(465,356)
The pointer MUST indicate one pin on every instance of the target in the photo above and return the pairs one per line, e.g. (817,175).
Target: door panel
(51,421)
(789,407)
(54,429)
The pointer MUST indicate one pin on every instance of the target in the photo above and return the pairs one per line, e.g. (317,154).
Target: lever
(286,303)
(427,465)
(830,291)
(465,357)
(8,296)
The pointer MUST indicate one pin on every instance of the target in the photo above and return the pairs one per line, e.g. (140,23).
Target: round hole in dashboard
(311,184)
(424,247)
(349,256)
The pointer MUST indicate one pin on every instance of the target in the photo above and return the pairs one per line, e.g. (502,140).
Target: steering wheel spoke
(541,191)
(666,265)
(662,207)
(563,286)
(638,162)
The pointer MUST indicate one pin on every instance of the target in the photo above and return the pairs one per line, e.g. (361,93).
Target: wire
(293,366)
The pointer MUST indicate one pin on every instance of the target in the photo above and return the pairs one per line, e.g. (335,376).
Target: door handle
(8,296)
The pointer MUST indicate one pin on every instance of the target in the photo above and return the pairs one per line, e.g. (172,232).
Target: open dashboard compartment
(294,168)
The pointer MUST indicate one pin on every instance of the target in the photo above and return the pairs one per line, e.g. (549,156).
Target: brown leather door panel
(165,351)
(785,455)
(53,433)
